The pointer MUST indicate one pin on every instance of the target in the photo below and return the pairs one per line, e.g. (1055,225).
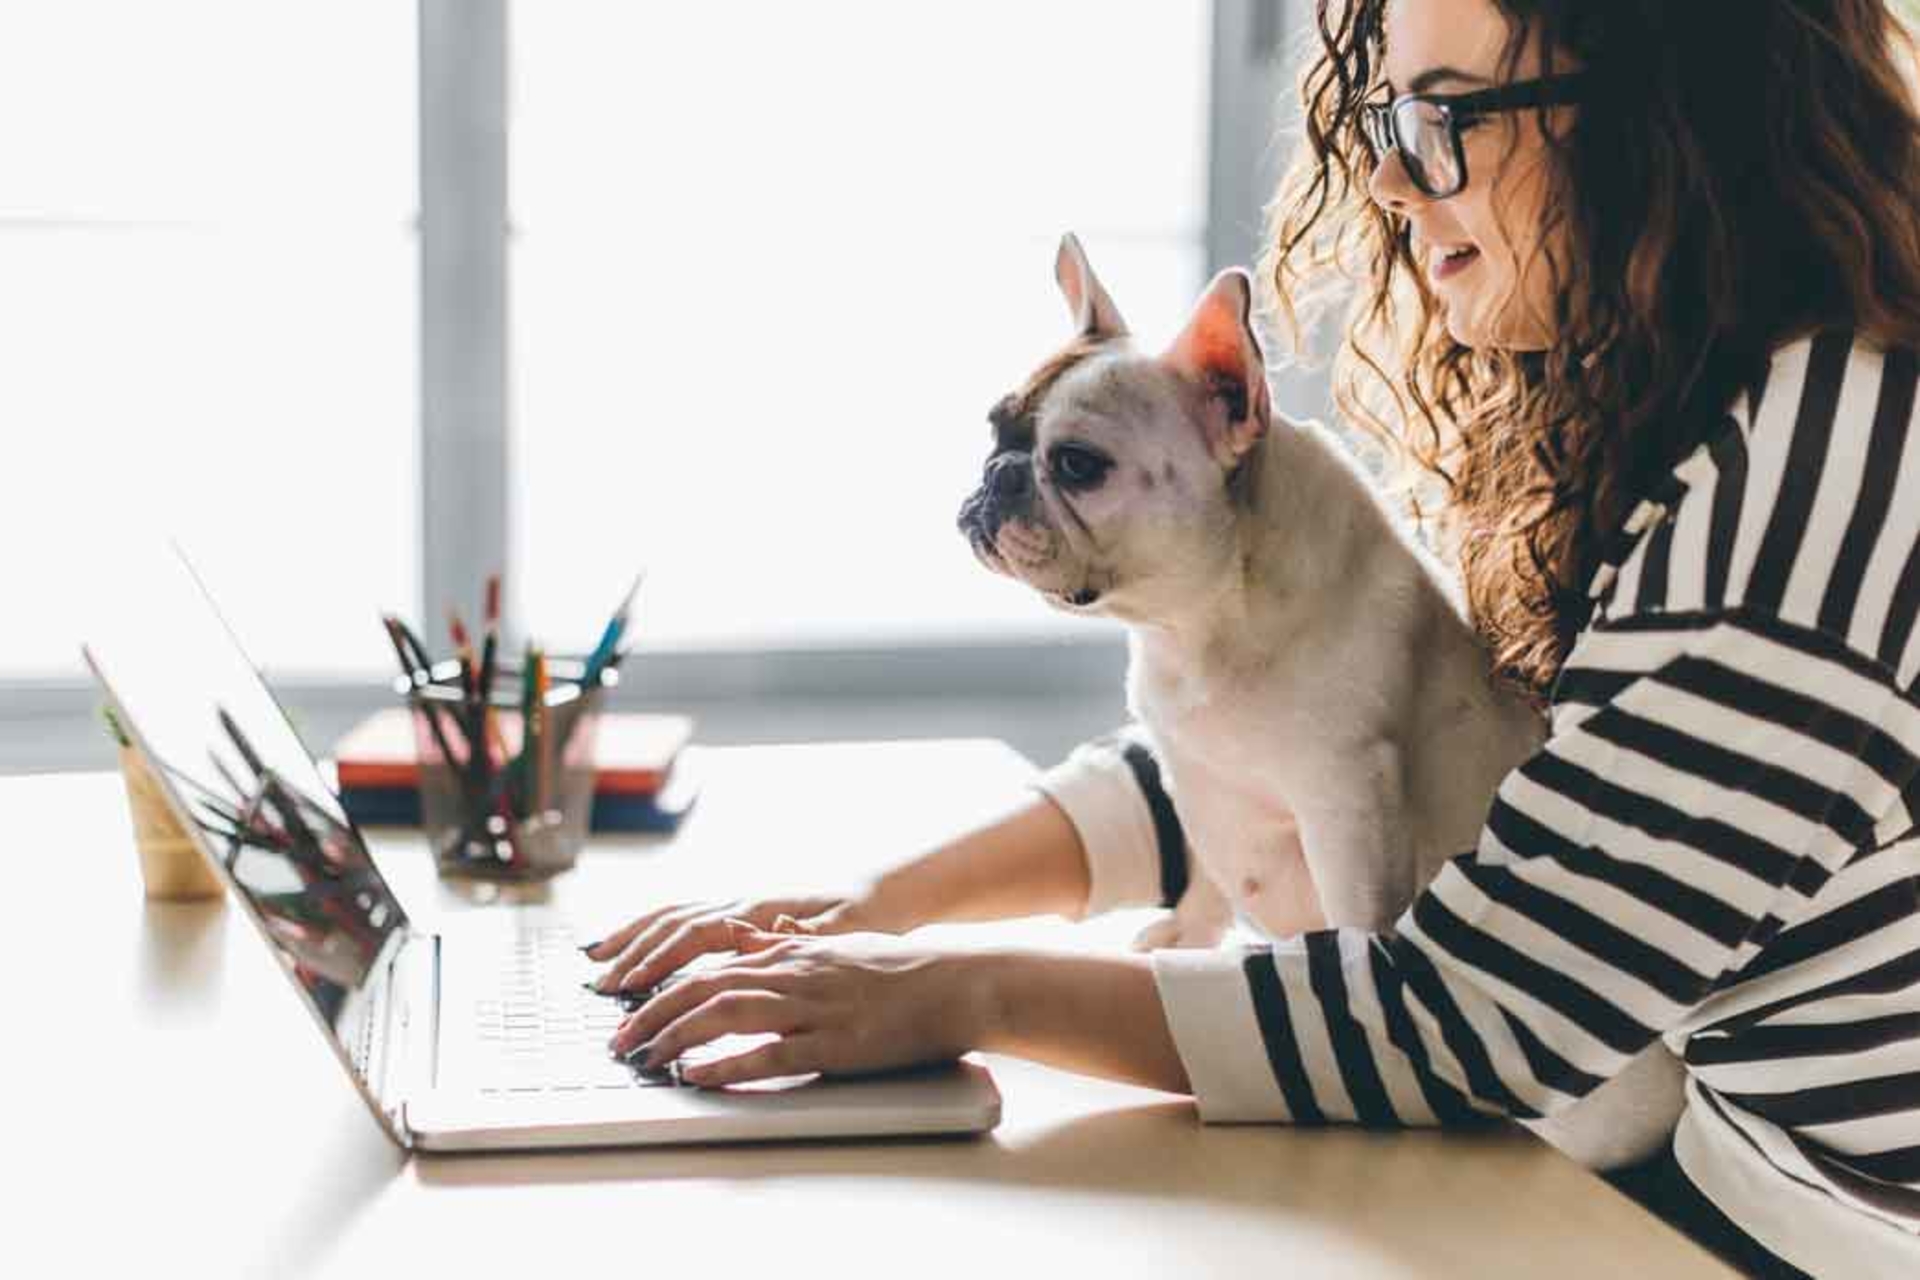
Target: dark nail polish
(593,986)
(637,1056)
(589,946)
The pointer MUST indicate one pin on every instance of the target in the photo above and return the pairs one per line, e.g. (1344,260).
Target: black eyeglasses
(1425,127)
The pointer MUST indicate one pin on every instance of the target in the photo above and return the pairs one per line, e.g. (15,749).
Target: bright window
(771,264)
(209,313)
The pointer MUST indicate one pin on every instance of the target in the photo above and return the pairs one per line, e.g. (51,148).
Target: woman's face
(1476,249)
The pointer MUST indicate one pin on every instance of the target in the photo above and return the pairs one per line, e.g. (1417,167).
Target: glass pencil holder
(506,795)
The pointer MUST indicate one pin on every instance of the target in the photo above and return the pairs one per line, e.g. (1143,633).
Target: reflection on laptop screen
(247,789)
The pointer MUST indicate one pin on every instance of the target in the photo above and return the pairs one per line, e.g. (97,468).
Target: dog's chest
(1225,753)
(1228,729)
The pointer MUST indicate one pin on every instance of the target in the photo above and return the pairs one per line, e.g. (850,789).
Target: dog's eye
(1077,467)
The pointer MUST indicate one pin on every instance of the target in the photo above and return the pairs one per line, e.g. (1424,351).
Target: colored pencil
(489,648)
(541,767)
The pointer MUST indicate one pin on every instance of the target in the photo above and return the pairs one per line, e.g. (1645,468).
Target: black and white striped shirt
(1716,846)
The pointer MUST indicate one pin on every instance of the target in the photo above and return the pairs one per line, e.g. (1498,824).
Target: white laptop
(478,1037)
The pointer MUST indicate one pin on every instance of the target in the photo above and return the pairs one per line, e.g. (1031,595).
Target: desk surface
(174,1106)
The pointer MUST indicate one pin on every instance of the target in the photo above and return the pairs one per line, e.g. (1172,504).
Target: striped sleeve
(1736,726)
(1695,793)
(1113,792)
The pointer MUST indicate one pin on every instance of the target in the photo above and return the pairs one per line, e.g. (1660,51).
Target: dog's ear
(1094,314)
(1219,355)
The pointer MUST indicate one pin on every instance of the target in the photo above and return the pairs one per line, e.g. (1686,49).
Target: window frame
(464,232)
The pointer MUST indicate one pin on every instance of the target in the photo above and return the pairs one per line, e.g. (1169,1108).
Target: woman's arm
(1627,869)
(1025,860)
(866,1002)
(1096,832)
(1099,1015)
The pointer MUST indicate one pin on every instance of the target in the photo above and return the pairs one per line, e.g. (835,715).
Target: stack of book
(641,781)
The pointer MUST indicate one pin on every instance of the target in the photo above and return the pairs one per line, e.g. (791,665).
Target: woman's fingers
(632,943)
(643,942)
(788,1056)
(615,942)
(738,1012)
(682,997)
(853,1004)
(690,940)
(670,939)
(649,943)
(750,939)
(758,950)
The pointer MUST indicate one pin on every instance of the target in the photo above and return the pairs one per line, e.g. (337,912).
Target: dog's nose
(1008,478)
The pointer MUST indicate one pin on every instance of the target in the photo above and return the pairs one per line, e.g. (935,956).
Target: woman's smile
(1446,262)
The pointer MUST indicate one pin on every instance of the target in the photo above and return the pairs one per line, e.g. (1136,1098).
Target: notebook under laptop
(478,1036)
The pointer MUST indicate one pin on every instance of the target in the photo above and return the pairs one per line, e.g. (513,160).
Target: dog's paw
(1162,933)
(1173,932)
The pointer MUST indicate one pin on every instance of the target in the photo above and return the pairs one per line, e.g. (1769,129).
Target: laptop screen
(248,791)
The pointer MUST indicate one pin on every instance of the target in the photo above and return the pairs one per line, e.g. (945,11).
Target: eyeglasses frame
(1458,109)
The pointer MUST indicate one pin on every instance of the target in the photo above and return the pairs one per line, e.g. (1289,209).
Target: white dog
(1323,716)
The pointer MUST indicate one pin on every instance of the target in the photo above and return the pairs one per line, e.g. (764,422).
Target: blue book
(400,807)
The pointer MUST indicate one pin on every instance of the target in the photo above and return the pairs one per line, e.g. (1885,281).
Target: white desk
(171,1110)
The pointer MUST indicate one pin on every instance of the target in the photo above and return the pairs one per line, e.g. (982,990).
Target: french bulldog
(1325,720)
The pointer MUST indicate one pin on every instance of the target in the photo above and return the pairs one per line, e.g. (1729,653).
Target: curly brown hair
(1739,172)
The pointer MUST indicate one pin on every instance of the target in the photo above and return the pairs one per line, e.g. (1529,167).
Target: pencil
(541,767)
(528,731)
(463,646)
(489,728)
(472,706)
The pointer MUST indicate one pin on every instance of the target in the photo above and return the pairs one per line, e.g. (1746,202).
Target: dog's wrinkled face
(1106,489)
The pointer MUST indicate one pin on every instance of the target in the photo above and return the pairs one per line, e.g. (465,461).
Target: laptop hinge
(423,1044)
(412,1028)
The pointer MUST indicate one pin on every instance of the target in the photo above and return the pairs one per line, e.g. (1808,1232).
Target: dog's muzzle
(1006,491)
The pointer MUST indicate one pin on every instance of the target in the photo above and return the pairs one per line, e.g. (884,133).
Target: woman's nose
(1390,187)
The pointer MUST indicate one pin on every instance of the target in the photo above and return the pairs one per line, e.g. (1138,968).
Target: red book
(633,751)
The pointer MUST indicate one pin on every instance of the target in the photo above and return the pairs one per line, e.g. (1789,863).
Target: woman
(1640,289)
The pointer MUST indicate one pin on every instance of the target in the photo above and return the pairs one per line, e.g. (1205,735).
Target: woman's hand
(1024,861)
(662,941)
(856,1003)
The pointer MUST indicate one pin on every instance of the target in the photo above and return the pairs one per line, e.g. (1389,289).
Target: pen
(412,642)
(605,654)
(529,734)
(489,726)
(421,659)
(418,677)
(414,675)
(610,636)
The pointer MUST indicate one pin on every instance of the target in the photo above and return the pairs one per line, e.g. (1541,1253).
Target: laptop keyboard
(541,1031)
